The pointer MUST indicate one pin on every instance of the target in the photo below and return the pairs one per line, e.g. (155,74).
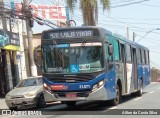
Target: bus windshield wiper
(57,49)
(83,43)
(81,48)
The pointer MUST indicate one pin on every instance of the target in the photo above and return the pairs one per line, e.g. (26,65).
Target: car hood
(23,90)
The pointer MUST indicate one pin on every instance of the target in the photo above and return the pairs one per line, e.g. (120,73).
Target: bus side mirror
(36,56)
(110,49)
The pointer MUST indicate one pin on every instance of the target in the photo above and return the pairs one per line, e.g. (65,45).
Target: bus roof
(122,38)
(78,27)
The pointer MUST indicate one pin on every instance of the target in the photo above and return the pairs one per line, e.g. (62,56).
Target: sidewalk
(3,104)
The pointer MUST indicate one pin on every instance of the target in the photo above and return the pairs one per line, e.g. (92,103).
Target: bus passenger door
(128,68)
(124,74)
(134,75)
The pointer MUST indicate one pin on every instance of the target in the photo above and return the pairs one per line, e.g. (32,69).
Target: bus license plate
(71,95)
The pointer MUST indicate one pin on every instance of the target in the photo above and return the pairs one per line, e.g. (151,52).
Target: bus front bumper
(99,94)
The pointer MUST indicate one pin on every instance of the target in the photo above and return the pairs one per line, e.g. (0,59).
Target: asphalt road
(147,105)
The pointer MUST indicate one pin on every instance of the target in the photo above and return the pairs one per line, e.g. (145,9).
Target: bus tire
(41,102)
(116,100)
(70,103)
(140,92)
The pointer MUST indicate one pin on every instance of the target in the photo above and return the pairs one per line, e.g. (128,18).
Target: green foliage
(89,9)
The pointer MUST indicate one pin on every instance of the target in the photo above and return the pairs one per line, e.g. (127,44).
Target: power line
(150,5)
(122,5)
(133,23)
(129,24)
(134,18)
(125,23)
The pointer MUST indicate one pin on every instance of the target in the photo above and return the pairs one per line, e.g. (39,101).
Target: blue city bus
(91,63)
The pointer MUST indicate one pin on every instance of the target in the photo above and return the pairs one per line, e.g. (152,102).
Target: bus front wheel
(116,100)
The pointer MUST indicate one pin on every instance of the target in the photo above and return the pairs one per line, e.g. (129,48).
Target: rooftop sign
(77,33)
(49,12)
(72,34)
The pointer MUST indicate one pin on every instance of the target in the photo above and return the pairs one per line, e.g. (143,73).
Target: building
(11,55)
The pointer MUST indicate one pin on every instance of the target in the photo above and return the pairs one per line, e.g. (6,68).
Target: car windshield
(73,58)
(30,82)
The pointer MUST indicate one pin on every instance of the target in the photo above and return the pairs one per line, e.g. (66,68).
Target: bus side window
(148,57)
(138,55)
(147,60)
(112,40)
(109,42)
(128,54)
(142,56)
(116,50)
(109,57)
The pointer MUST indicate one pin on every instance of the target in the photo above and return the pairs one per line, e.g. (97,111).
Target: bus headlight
(99,84)
(46,87)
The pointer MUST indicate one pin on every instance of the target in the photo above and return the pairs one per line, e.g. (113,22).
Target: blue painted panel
(144,72)
(147,75)
(110,84)
(76,86)
(62,45)
(140,74)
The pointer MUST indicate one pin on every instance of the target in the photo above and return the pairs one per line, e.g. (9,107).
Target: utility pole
(33,67)
(127,33)
(134,36)
(2,14)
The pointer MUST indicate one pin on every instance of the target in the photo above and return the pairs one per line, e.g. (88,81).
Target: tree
(89,9)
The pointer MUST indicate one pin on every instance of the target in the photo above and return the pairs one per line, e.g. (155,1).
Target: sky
(140,16)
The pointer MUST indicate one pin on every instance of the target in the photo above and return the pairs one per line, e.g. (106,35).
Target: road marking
(138,98)
(151,92)
(109,109)
(113,107)
(58,102)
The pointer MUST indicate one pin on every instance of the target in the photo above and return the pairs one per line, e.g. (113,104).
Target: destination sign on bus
(69,34)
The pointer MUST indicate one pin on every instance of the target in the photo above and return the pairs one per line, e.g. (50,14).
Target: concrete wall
(155,74)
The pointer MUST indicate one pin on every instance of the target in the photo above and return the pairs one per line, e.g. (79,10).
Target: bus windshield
(72,58)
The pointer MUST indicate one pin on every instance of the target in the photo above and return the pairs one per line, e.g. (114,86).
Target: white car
(29,92)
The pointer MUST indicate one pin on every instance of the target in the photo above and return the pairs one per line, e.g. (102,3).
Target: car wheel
(13,108)
(42,103)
